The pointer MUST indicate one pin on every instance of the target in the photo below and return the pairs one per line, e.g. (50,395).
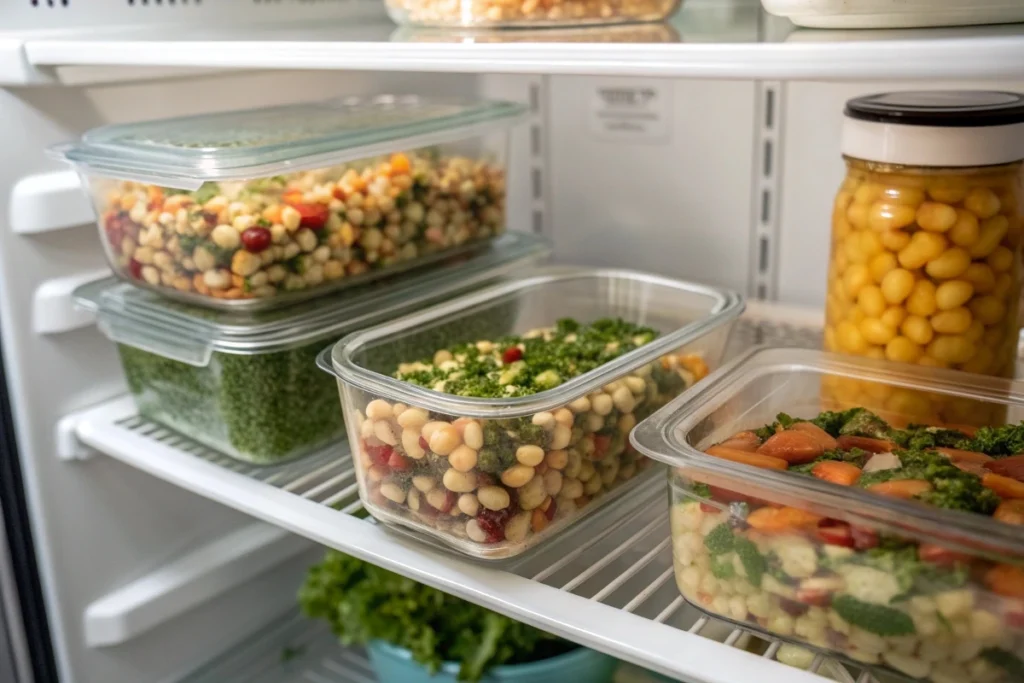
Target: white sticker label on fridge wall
(632,112)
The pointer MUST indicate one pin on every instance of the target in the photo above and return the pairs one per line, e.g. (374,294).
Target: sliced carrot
(842,473)
(1006,580)
(695,364)
(1010,512)
(292,197)
(1004,486)
(747,458)
(792,446)
(777,520)
(743,441)
(901,488)
(1012,467)
(827,441)
(957,455)
(865,443)
(400,163)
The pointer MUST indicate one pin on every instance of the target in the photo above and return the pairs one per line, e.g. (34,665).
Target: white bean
(493,497)
(530,456)
(560,437)
(595,422)
(623,400)
(393,492)
(444,440)
(545,420)
(636,385)
(378,409)
(517,527)
(376,473)
(413,418)
(475,533)
(366,429)
(383,431)
(462,458)
(593,485)
(429,428)
(424,483)
(532,494)
(413,501)
(468,504)
(459,482)
(473,435)
(552,482)
(437,498)
(602,404)
(557,459)
(571,488)
(517,475)
(580,405)
(411,444)
(587,471)
(564,417)
(626,423)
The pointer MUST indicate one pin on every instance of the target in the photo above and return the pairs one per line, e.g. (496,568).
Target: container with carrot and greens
(898,548)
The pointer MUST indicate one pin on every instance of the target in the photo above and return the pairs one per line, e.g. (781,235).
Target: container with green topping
(493,421)
(247,384)
(893,544)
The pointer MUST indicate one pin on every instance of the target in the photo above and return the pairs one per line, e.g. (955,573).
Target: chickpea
(601,404)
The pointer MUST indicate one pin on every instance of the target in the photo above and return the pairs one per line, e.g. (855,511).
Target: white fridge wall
(98,524)
(812,169)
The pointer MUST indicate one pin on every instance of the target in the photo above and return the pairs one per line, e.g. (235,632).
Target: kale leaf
(877,619)
(996,441)
(362,602)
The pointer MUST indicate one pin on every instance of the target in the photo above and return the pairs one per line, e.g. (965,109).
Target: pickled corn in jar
(926,232)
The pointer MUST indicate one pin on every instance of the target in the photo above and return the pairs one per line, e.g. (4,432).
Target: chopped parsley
(521,366)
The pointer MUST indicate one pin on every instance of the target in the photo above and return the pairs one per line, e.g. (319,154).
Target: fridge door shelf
(612,590)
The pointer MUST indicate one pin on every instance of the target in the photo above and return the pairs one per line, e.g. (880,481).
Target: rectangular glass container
(524,467)
(247,384)
(260,208)
(888,583)
(528,13)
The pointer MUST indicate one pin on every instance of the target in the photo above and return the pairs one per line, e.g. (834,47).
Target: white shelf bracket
(53,309)
(46,202)
(190,580)
(69,448)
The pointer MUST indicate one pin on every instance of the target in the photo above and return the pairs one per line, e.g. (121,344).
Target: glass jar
(925,261)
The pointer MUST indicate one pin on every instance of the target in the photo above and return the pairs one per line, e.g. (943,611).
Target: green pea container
(246,384)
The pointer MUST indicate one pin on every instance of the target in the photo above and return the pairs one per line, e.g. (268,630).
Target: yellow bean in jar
(923,247)
(993,231)
(922,299)
(951,263)
(917,329)
(855,278)
(951,294)
(981,277)
(936,217)
(897,285)
(884,216)
(982,202)
(902,350)
(880,265)
(953,321)
(893,316)
(871,301)
(1000,260)
(876,332)
(966,230)
(895,241)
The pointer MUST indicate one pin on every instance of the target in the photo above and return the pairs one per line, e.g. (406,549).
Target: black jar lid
(940,108)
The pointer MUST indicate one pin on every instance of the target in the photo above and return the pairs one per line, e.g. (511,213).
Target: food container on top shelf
(926,232)
(254,209)
(494,420)
(873,546)
(247,384)
(860,14)
(527,13)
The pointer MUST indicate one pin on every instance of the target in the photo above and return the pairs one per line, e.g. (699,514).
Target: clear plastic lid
(184,152)
(765,381)
(190,334)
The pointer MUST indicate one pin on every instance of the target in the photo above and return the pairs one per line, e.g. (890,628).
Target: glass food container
(247,384)
(926,232)
(491,477)
(885,14)
(255,209)
(843,566)
(527,13)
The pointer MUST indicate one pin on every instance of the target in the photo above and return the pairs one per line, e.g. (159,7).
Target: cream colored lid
(936,128)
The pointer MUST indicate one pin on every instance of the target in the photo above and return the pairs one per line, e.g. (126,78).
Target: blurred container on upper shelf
(827,548)
(246,384)
(926,232)
(861,14)
(528,13)
(259,208)
(492,476)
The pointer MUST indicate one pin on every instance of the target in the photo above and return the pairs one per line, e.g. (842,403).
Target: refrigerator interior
(727,182)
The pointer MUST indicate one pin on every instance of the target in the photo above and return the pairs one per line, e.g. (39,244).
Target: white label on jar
(632,111)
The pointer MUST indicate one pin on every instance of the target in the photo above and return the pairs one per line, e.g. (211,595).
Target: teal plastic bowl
(396,665)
